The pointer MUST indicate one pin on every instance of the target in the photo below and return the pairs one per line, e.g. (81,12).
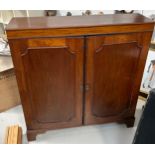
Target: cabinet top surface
(21,23)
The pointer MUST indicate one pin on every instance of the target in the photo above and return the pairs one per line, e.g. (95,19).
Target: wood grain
(77,25)
(111,73)
(57,75)
(76,21)
(13,135)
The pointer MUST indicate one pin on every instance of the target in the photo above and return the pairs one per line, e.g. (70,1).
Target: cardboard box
(9,94)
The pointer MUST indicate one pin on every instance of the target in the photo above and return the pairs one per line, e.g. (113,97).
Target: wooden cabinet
(74,71)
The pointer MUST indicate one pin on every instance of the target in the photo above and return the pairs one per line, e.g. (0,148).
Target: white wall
(148,12)
(6,15)
(19,13)
(36,13)
(79,12)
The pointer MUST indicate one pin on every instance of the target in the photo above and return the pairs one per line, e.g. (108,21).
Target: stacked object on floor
(13,135)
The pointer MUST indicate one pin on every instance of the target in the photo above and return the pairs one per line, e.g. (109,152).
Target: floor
(111,133)
(5,63)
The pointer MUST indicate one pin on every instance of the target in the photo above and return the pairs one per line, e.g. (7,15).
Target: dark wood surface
(111,72)
(24,23)
(73,71)
(50,77)
(77,25)
(82,31)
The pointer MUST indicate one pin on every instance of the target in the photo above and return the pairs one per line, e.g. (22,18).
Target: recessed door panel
(51,79)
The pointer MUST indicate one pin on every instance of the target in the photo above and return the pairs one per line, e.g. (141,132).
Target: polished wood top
(24,23)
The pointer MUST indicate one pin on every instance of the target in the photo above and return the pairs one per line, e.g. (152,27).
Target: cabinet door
(50,75)
(114,69)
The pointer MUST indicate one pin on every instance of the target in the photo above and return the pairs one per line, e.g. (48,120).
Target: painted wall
(6,15)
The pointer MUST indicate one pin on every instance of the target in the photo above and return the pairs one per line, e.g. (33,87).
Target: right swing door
(114,67)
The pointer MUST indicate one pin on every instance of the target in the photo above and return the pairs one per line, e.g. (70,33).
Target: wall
(6,15)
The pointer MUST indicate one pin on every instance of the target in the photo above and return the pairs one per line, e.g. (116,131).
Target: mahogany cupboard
(80,70)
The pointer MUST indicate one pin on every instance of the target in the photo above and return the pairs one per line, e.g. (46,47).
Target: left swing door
(50,77)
